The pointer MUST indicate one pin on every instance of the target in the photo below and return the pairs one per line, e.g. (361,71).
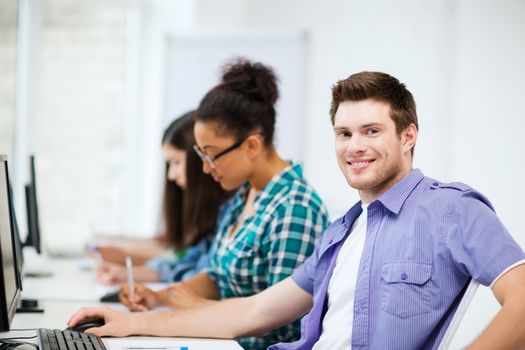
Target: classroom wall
(408,39)
(7,73)
(463,61)
(73,64)
(101,108)
(486,142)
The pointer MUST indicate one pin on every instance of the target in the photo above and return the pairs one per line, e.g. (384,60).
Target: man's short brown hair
(380,87)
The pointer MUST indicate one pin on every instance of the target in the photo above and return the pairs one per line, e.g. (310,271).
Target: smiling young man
(390,273)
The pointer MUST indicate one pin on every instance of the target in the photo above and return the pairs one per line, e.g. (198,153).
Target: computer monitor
(16,238)
(33,238)
(10,286)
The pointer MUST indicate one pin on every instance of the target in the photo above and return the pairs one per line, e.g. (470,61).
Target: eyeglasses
(211,159)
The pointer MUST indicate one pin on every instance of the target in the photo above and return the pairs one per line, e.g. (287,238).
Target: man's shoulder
(435,191)
(451,187)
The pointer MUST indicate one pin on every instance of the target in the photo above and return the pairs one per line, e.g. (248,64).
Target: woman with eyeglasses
(191,206)
(271,223)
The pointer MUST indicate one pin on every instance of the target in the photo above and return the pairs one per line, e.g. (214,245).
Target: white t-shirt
(337,323)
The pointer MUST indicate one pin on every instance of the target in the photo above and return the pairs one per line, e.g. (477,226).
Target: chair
(458,316)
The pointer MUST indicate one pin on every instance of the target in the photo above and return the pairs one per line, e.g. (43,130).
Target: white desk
(68,283)
(69,289)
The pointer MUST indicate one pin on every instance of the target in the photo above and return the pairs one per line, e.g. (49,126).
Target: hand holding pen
(144,298)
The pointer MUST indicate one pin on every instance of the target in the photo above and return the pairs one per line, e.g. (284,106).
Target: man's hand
(117,324)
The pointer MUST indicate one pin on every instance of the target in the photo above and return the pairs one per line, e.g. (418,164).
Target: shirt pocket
(242,267)
(405,288)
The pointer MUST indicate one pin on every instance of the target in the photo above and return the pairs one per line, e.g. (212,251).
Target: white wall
(8,31)
(70,115)
(486,144)
(462,60)
(409,39)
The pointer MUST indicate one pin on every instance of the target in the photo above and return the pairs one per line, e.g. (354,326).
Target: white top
(337,323)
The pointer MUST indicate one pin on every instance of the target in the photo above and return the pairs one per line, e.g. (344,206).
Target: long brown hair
(189,215)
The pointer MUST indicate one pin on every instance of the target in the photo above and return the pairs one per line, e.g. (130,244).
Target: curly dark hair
(243,102)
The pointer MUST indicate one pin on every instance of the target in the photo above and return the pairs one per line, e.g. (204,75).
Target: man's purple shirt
(425,240)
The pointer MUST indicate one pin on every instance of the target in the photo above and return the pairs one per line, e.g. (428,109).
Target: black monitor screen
(9,291)
(33,224)
(16,237)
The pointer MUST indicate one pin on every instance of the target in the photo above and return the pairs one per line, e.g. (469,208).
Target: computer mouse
(81,327)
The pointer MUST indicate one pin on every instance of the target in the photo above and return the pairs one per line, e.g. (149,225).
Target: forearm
(145,274)
(227,319)
(232,318)
(506,331)
(204,285)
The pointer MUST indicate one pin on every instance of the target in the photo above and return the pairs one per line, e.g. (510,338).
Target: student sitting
(271,224)
(388,274)
(191,206)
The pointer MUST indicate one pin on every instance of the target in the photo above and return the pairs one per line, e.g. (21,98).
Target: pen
(131,284)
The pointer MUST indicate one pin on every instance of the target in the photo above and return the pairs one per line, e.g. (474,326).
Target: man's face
(371,154)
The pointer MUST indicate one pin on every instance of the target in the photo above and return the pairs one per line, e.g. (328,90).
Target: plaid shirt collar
(290,173)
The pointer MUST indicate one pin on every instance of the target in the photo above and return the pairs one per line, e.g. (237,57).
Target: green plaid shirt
(289,217)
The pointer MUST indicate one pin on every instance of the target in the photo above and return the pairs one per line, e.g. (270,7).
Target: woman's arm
(201,287)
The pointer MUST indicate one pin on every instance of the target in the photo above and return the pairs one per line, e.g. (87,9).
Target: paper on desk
(156,343)
(102,289)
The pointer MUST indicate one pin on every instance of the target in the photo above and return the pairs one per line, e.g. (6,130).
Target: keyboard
(56,339)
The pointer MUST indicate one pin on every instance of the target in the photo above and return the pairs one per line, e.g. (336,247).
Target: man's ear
(253,145)
(409,137)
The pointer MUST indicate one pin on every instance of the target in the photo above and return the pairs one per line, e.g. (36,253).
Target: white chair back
(460,312)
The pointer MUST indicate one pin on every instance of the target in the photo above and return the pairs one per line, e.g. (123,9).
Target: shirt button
(330,241)
(435,184)
(404,276)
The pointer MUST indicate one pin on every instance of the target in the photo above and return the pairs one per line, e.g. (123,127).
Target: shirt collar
(394,198)
(352,214)
(290,173)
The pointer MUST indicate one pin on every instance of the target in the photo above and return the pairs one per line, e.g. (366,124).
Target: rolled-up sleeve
(303,275)
(477,240)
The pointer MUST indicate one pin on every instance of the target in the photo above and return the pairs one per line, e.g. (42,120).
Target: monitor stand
(29,306)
